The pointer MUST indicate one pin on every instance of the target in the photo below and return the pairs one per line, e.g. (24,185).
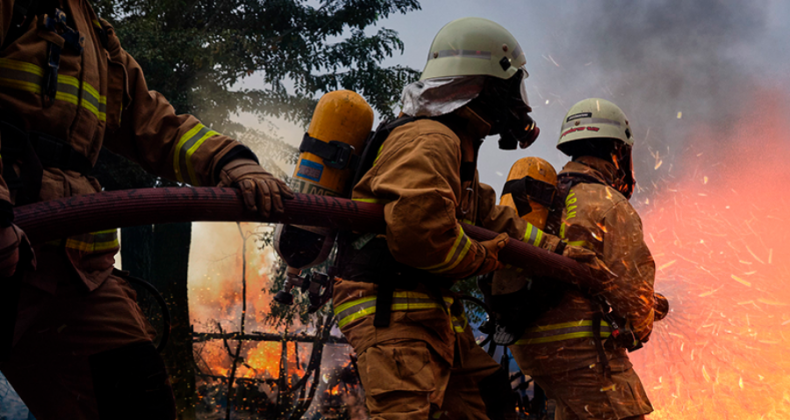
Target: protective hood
(440,95)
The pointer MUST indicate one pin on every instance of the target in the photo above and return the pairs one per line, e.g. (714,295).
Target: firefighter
(82,347)
(576,350)
(417,355)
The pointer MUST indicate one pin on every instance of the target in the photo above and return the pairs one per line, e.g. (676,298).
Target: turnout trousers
(85,355)
(406,379)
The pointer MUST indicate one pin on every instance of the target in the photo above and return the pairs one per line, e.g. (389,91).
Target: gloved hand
(262,192)
(492,248)
(11,238)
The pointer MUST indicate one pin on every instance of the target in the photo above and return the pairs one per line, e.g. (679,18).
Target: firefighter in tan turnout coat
(417,355)
(573,350)
(81,346)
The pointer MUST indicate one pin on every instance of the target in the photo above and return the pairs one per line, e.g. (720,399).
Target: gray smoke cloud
(658,60)
(670,65)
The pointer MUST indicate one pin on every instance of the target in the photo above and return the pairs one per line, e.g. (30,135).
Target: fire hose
(55,219)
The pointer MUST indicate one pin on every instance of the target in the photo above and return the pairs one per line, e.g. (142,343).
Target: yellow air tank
(341,123)
(530,189)
(537,192)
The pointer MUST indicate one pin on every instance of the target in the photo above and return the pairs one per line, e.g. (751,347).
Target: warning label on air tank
(305,187)
(310,170)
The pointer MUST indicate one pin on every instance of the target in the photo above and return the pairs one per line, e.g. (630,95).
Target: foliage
(196,51)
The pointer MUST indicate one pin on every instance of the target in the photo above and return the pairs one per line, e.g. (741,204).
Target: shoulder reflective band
(94,242)
(563,331)
(583,121)
(401,301)
(483,55)
(30,77)
(182,158)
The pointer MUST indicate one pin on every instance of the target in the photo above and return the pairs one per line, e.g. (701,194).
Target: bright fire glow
(718,236)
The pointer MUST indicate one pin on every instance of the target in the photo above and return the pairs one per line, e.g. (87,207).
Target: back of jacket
(599,218)
(417,177)
(72,81)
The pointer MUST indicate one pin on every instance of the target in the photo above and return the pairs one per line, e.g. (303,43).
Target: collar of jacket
(592,166)
(470,125)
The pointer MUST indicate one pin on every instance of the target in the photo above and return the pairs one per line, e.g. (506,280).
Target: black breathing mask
(504,104)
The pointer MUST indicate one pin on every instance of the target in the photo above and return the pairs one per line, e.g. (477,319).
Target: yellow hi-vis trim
(29,77)
(371,200)
(569,336)
(459,323)
(95,241)
(454,256)
(533,235)
(403,301)
(192,149)
(571,330)
(583,244)
(187,145)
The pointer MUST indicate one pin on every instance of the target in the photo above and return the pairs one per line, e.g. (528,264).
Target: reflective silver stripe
(583,121)
(354,309)
(24,76)
(454,256)
(533,233)
(402,301)
(483,55)
(517,52)
(563,331)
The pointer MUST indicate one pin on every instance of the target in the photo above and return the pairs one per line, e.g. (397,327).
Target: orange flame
(717,233)
(215,296)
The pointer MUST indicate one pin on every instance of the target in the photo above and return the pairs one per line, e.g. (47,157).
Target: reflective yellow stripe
(453,257)
(528,232)
(583,329)
(21,66)
(458,259)
(355,316)
(582,334)
(187,145)
(371,309)
(96,23)
(584,323)
(583,244)
(459,323)
(67,97)
(449,253)
(190,166)
(343,307)
(539,237)
(68,80)
(21,85)
(533,235)
(378,155)
(371,200)
(176,156)
(69,92)
(89,243)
